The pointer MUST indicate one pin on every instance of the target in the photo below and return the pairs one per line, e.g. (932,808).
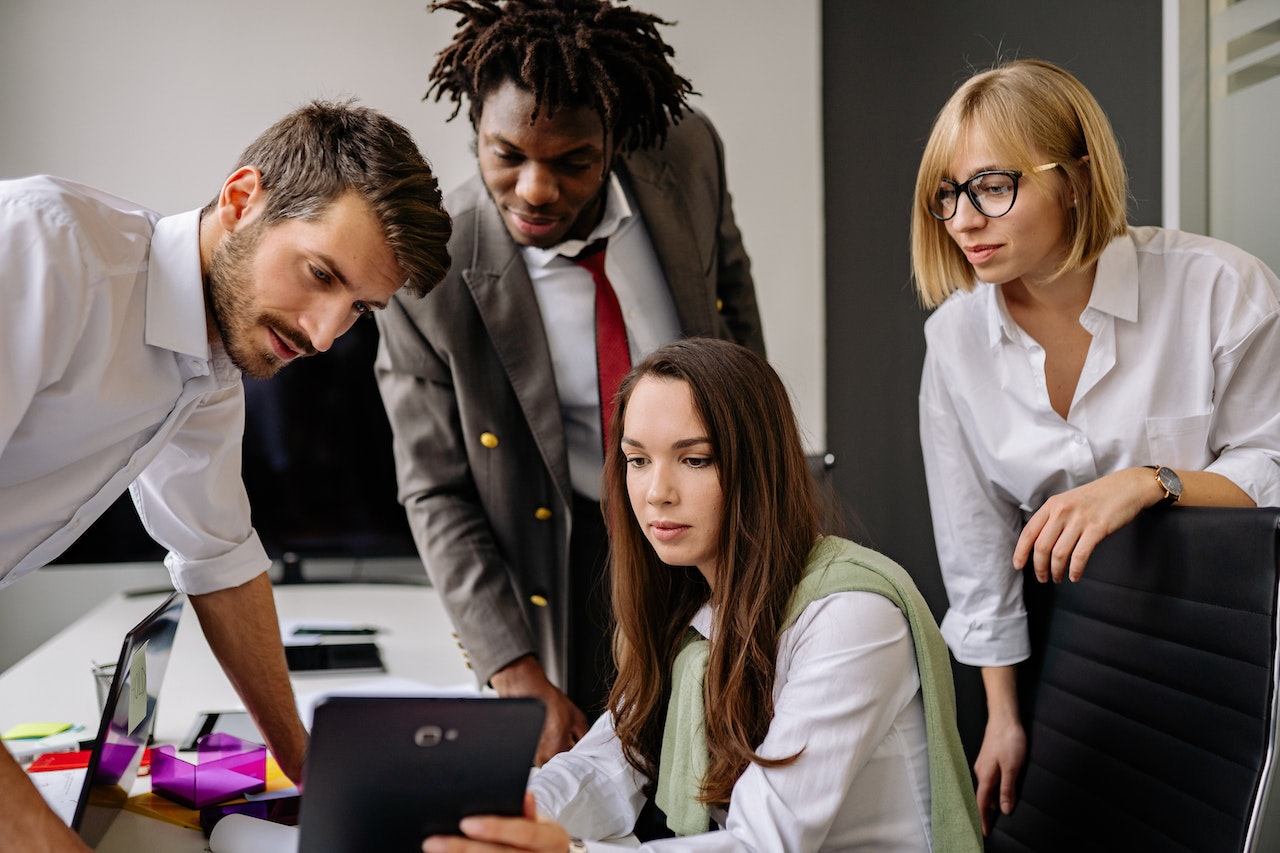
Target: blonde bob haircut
(1033,112)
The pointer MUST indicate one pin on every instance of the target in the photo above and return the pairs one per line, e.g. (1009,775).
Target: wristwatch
(1170,482)
(577,845)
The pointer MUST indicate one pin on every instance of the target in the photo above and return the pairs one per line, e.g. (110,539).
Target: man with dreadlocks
(583,137)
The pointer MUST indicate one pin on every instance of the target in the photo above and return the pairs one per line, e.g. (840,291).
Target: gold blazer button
(538,600)
(489,440)
(542,513)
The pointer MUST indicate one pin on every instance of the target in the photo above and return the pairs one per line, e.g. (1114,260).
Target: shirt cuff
(987,641)
(1256,473)
(238,566)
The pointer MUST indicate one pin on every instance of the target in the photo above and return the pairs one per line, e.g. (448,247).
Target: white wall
(154,100)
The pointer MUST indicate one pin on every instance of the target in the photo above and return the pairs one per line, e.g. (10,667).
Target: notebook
(90,800)
(384,772)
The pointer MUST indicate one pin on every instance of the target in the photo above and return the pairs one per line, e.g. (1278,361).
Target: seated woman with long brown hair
(789,689)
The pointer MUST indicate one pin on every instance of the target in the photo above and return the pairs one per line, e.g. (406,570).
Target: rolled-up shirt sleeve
(192,500)
(975,532)
(1245,437)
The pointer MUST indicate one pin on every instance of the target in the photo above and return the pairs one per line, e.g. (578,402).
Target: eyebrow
(585,148)
(342,278)
(679,445)
(981,169)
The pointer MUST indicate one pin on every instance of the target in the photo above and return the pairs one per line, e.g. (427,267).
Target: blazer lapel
(504,296)
(673,226)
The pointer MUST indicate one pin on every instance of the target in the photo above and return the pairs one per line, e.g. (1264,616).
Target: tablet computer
(385,772)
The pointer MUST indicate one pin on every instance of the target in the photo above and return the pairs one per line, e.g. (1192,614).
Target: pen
(335,632)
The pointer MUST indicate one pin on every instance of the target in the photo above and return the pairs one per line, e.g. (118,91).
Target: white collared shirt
(1183,371)
(847,692)
(107,379)
(566,298)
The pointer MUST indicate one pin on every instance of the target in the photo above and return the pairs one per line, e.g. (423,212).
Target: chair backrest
(1154,719)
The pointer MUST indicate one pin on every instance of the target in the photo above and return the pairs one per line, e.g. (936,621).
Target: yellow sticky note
(32,730)
(137,687)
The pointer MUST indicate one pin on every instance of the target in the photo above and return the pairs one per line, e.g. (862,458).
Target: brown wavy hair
(770,523)
(324,149)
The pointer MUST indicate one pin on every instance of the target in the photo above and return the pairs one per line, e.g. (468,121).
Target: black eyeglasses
(992,193)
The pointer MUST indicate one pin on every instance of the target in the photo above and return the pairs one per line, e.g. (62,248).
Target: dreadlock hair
(567,53)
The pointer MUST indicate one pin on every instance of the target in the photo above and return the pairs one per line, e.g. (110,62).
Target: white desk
(55,683)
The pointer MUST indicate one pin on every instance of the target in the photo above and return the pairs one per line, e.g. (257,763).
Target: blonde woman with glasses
(1078,370)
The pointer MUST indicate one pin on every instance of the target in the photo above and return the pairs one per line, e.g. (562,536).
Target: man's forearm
(243,631)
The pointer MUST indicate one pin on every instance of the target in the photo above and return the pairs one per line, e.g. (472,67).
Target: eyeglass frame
(966,189)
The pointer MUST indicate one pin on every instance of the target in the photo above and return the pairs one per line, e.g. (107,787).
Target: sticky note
(29,730)
(137,687)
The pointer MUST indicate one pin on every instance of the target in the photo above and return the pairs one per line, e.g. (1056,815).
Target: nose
(327,322)
(967,217)
(537,185)
(661,486)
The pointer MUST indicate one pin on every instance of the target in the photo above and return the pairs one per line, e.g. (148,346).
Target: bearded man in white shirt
(122,345)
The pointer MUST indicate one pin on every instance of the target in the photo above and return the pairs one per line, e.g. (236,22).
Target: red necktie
(613,356)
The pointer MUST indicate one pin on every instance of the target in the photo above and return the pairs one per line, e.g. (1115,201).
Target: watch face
(1171,481)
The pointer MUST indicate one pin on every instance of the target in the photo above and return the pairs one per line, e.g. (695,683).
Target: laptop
(384,772)
(128,718)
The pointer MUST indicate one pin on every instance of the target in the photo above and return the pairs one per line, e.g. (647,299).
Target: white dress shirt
(1183,371)
(847,692)
(567,299)
(107,379)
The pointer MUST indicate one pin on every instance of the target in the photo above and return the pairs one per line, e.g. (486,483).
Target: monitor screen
(317,465)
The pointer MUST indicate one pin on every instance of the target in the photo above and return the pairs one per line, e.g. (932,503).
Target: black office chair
(1154,719)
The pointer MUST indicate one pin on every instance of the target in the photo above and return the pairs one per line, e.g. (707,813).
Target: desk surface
(55,682)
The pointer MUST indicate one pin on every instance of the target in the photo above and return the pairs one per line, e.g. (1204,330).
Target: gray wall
(885,76)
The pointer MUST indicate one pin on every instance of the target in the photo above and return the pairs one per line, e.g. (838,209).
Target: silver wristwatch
(577,845)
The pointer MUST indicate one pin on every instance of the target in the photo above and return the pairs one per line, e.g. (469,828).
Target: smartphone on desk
(277,810)
(348,657)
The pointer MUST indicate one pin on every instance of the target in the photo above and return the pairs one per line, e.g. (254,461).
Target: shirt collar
(617,211)
(175,287)
(1115,282)
(1000,325)
(1115,291)
(701,621)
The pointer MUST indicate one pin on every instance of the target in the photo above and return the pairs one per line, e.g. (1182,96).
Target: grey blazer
(466,377)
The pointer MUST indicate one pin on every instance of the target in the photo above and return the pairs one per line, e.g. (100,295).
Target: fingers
(1028,539)
(1050,540)
(1008,792)
(986,802)
(1081,554)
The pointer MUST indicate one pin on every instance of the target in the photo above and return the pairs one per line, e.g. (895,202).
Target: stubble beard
(228,293)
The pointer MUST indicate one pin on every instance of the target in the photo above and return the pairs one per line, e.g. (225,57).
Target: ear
(240,200)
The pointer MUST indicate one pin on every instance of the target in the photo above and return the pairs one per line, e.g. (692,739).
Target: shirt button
(542,513)
(489,440)
(538,600)
(1079,439)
